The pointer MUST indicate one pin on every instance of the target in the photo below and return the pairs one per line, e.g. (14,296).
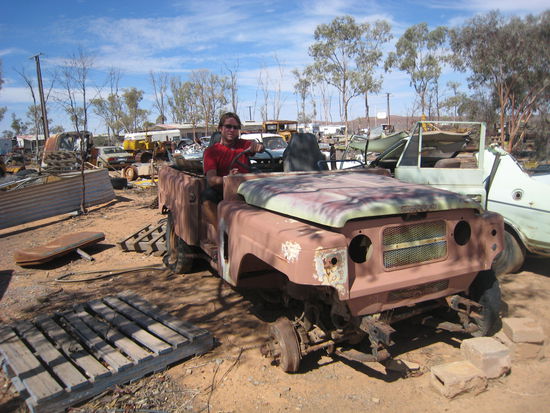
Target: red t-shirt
(219,157)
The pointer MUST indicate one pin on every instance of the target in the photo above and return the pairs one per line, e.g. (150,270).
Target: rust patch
(331,268)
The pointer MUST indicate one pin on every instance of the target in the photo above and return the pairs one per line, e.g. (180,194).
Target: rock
(452,379)
(521,351)
(487,354)
(401,366)
(523,330)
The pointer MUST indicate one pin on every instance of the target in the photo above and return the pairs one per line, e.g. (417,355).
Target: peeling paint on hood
(332,199)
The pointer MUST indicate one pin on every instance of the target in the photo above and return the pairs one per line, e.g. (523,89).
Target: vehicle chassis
(331,313)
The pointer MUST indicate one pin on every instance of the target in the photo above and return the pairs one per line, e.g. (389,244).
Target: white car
(452,160)
(113,157)
(274,144)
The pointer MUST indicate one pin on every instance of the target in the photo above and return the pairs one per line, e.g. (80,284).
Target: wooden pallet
(150,240)
(61,161)
(57,361)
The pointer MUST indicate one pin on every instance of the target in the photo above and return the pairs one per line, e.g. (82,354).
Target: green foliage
(302,88)
(183,103)
(110,110)
(132,116)
(18,126)
(2,110)
(57,129)
(346,54)
(419,52)
(511,57)
(210,91)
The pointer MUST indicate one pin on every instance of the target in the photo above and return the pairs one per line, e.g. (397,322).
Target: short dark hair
(228,115)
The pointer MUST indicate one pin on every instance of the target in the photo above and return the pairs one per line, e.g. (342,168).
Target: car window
(275,142)
(117,149)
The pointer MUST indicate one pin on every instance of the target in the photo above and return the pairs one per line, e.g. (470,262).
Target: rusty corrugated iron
(54,198)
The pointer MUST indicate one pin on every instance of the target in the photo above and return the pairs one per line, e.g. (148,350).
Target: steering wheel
(236,160)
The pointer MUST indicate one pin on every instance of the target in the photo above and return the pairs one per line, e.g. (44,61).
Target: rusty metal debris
(57,248)
(54,195)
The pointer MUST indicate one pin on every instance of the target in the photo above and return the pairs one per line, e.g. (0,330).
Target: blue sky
(251,37)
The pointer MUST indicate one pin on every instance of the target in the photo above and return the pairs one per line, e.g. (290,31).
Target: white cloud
(14,95)
(11,50)
(526,6)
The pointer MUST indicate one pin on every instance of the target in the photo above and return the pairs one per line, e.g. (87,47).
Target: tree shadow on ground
(37,226)
(537,265)
(5,278)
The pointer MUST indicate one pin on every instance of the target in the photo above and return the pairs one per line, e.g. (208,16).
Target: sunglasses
(235,127)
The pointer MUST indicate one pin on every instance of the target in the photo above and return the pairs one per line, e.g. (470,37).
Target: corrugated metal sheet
(47,200)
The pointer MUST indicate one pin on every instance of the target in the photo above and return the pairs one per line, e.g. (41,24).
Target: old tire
(512,256)
(130,173)
(287,347)
(178,253)
(486,291)
(119,183)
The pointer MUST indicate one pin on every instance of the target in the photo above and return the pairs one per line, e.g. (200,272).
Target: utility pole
(42,104)
(249,112)
(388,107)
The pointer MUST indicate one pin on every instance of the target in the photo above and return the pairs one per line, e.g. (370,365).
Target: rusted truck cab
(356,249)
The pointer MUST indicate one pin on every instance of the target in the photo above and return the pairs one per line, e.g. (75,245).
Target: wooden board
(59,360)
(57,248)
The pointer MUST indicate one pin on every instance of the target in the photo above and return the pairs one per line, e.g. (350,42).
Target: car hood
(333,198)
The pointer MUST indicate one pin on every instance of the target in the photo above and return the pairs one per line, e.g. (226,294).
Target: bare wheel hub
(284,346)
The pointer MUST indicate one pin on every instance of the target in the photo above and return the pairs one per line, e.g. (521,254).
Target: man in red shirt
(218,158)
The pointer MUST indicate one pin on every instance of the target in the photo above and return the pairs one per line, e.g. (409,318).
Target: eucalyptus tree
(2,110)
(420,53)
(302,88)
(75,74)
(34,113)
(345,55)
(110,107)
(159,82)
(132,116)
(183,102)
(18,126)
(211,92)
(453,102)
(233,86)
(511,57)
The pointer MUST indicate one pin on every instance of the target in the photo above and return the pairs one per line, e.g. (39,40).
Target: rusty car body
(355,249)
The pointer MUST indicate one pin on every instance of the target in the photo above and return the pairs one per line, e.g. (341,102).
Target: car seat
(303,154)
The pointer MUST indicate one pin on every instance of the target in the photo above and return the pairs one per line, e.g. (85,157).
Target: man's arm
(256,147)
(213,179)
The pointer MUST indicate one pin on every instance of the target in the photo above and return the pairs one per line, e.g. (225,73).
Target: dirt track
(234,377)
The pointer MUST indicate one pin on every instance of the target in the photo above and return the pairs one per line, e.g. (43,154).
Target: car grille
(417,291)
(412,244)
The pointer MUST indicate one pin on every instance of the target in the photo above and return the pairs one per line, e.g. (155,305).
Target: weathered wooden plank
(187,329)
(103,349)
(134,351)
(38,382)
(200,346)
(146,322)
(80,323)
(130,328)
(72,349)
(71,377)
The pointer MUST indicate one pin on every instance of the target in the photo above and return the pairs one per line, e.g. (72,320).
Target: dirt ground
(234,377)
